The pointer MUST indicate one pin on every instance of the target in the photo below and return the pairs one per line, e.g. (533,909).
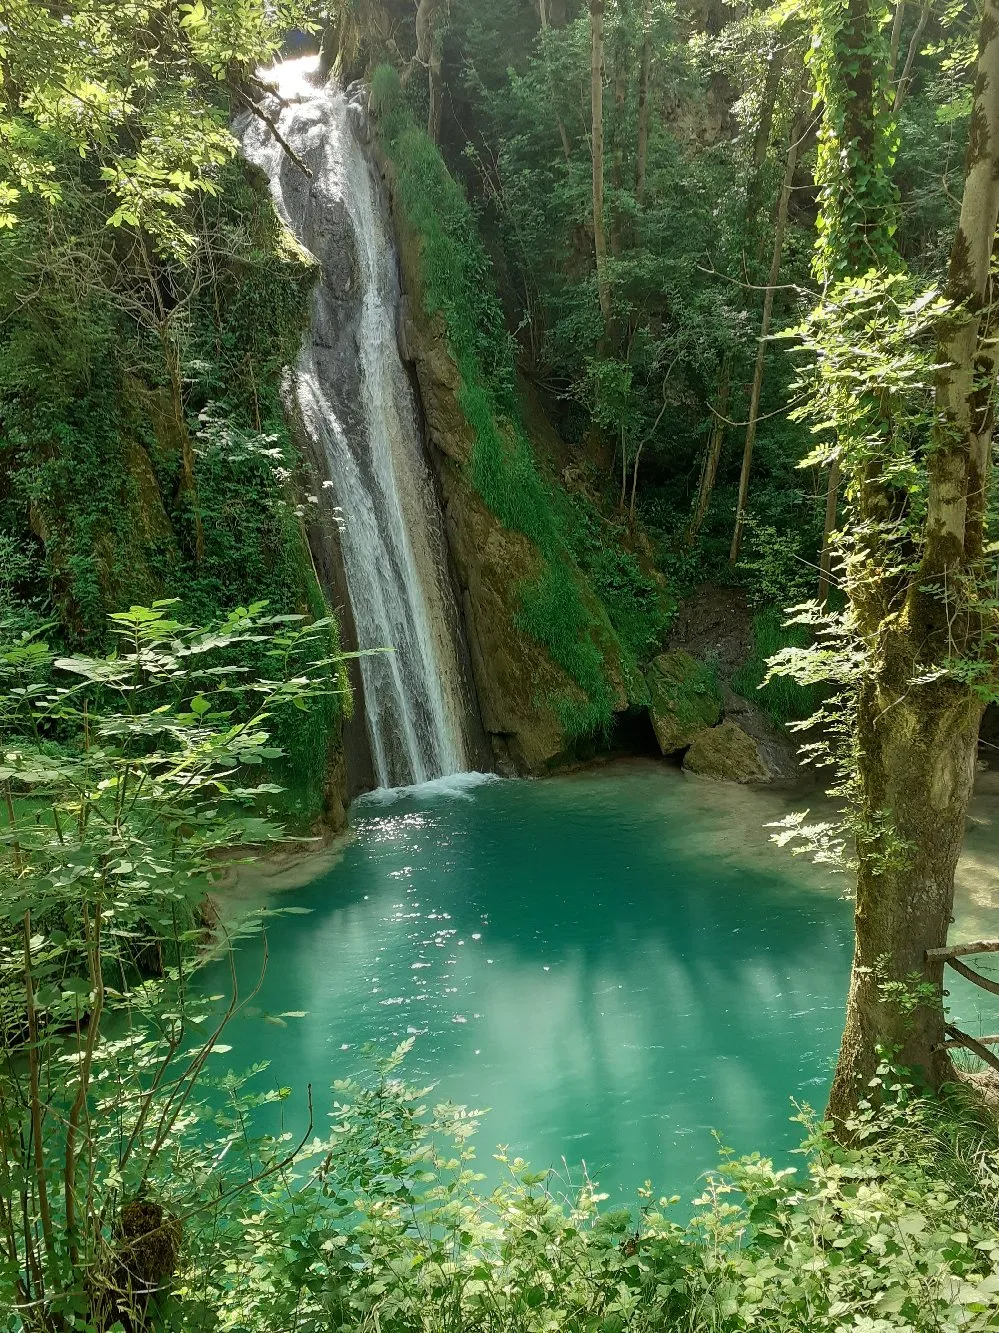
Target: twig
(271,124)
(971,975)
(36,1104)
(959,1038)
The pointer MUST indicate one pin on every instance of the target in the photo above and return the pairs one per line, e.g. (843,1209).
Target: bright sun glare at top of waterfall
(294,78)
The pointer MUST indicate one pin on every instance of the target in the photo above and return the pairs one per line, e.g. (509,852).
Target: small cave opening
(631,736)
(634,734)
(297,43)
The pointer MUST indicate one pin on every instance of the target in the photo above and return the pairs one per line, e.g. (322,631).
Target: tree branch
(269,121)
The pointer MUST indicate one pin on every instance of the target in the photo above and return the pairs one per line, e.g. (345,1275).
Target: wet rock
(522,692)
(726,753)
(684,699)
(777,745)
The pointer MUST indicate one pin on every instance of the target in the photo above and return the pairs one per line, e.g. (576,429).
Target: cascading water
(355,402)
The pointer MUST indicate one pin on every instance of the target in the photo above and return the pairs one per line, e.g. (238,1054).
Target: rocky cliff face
(515,677)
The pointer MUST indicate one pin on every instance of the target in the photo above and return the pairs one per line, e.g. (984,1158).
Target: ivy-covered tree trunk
(916,771)
(929,640)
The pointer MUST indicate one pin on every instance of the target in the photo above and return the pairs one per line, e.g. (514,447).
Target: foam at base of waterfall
(456,786)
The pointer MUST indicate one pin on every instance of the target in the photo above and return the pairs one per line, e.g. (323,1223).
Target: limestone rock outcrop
(777,745)
(726,753)
(517,682)
(684,699)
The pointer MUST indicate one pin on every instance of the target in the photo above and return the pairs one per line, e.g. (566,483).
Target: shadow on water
(616,963)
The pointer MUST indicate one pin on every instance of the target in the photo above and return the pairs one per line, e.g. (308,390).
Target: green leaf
(195,17)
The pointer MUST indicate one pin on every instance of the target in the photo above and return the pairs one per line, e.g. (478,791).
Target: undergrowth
(637,605)
(784,699)
(896,1232)
(90,448)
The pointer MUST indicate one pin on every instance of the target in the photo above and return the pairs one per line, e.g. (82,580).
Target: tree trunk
(828,528)
(771,89)
(188,483)
(436,99)
(563,133)
(622,56)
(597,153)
(902,87)
(557,13)
(916,768)
(712,457)
(644,103)
(160,318)
(428,54)
(896,36)
(797,132)
(917,737)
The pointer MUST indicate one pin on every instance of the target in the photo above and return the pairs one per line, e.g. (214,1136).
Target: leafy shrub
(779,574)
(783,698)
(386,91)
(897,1232)
(114,836)
(636,603)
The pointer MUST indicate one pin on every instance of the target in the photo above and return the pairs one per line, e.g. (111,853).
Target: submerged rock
(684,699)
(726,753)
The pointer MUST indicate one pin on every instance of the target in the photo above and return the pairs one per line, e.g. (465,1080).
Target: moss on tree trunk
(916,768)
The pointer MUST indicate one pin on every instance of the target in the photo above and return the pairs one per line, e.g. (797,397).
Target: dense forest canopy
(696,294)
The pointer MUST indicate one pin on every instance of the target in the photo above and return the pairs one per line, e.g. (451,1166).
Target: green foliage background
(90,480)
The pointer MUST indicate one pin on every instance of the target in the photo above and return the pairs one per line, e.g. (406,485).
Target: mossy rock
(726,753)
(685,698)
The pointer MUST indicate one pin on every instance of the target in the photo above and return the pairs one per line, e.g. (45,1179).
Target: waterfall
(354,399)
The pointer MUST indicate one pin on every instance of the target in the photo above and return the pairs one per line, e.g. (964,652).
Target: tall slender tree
(597,153)
(798,132)
(644,103)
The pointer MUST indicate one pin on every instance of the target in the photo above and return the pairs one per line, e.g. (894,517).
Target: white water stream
(355,401)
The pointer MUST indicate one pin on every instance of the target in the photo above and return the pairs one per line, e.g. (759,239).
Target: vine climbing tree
(903,386)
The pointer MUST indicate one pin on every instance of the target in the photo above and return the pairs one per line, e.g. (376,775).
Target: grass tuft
(784,699)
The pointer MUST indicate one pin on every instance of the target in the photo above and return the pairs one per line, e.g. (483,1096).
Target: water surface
(618,964)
